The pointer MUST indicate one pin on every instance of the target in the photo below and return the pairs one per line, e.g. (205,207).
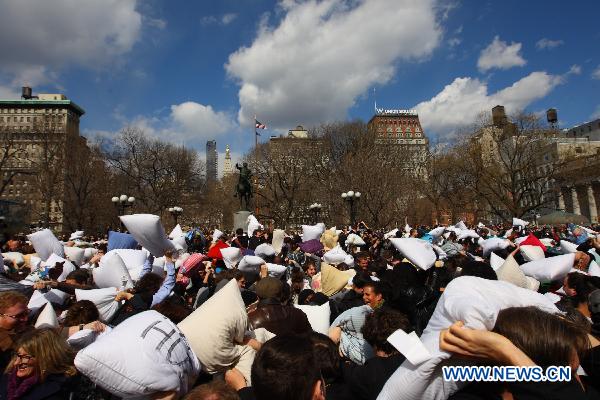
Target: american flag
(259,125)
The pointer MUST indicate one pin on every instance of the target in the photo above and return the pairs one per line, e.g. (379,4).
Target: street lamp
(175,212)
(315,208)
(122,202)
(351,197)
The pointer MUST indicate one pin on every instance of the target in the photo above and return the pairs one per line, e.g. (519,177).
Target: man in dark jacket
(270,314)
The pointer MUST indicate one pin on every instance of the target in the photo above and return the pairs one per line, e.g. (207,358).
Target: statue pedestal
(240,219)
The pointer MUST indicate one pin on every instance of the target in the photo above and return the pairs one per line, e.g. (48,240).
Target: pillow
(57,296)
(37,300)
(567,247)
(231,256)
(417,251)
(549,269)
(180,243)
(75,254)
(594,269)
(333,280)
(278,238)
(214,329)
(216,235)
(311,232)
(250,264)
(461,225)
(68,266)
(143,355)
(532,240)
(176,232)
(264,250)
(496,261)
(531,253)
(252,225)
(45,243)
(15,257)
(134,261)
(335,256)
(476,302)
(85,337)
(548,242)
(149,232)
(118,240)
(519,222)
(89,252)
(493,244)
(354,240)
(112,272)
(510,272)
(76,235)
(467,233)
(437,232)
(104,299)
(318,317)
(276,270)
(390,234)
(47,318)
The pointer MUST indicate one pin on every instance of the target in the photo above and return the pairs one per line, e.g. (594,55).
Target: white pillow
(76,235)
(252,225)
(461,225)
(37,300)
(594,269)
(468,233)
(311,232)
(133,259)
(47,318)
(143,355)
(276,270)
(179,243)
(567,247)
(45,243)
(216,327)
(68,266)
(104,299)
(57,296)
(15,257)
(437,232)
(250,264)
(509,271)
(264,250)
(88,253)
(476,302)
(532,253)
(216,235)
(548,242)
(176,232)
(75,255)
(390,234)
(493,244)
(549,269)
(496,261)
(231,256)
(85,337)
(354,240)
(147,230)
(318,317)
(519,222)
(335,256)
(417,251)
(111,272)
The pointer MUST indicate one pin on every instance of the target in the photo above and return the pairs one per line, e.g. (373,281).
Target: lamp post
(315,208)
(122,202)
(175,212)
(351,197)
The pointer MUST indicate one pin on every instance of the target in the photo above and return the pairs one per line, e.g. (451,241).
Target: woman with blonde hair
(42,368)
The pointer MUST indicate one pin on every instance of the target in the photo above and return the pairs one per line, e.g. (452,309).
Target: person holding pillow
(148,291)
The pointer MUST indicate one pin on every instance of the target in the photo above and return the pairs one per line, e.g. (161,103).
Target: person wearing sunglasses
(14,316)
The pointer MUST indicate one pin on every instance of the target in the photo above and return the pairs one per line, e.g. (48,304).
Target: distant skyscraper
(227,166)
(211,160)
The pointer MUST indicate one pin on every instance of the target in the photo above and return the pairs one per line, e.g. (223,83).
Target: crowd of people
(320,309)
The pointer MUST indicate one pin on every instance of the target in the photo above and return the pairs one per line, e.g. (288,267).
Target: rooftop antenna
(375,99)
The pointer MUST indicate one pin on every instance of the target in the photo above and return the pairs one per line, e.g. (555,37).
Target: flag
(259,125)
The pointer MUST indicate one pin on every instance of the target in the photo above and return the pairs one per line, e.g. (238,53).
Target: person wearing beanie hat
(274,316)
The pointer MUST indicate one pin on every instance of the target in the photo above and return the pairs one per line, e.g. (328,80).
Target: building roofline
(37,102)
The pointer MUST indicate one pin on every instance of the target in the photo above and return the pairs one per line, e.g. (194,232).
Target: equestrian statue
(244,186)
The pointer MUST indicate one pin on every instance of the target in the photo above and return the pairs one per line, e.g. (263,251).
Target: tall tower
(227,166)
(211,161)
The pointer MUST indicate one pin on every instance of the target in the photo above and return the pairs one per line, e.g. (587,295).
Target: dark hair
(173,308)
(81,312)
(361,255)
(479,269)
(583,286)
(361,279)
(149,283)
(213,390)
(285,368)
(546,338)
(380,324)
(327,354)
(304,296)
(308,263)
(239,231)
(297,279)
(80,276)
(103,247)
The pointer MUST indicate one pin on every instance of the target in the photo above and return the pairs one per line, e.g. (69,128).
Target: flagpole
(255,135)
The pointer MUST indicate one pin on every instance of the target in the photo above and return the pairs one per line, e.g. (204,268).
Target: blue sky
(192,71)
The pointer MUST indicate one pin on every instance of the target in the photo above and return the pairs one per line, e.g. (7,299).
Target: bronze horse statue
(244,186)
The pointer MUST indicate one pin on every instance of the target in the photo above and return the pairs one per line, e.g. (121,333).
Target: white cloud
(156,22)
(460,102)
(453,42)
(596,73)
(501,55)
(574,70)
(546,43)
(323,55)
(197,121)
(228,18)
